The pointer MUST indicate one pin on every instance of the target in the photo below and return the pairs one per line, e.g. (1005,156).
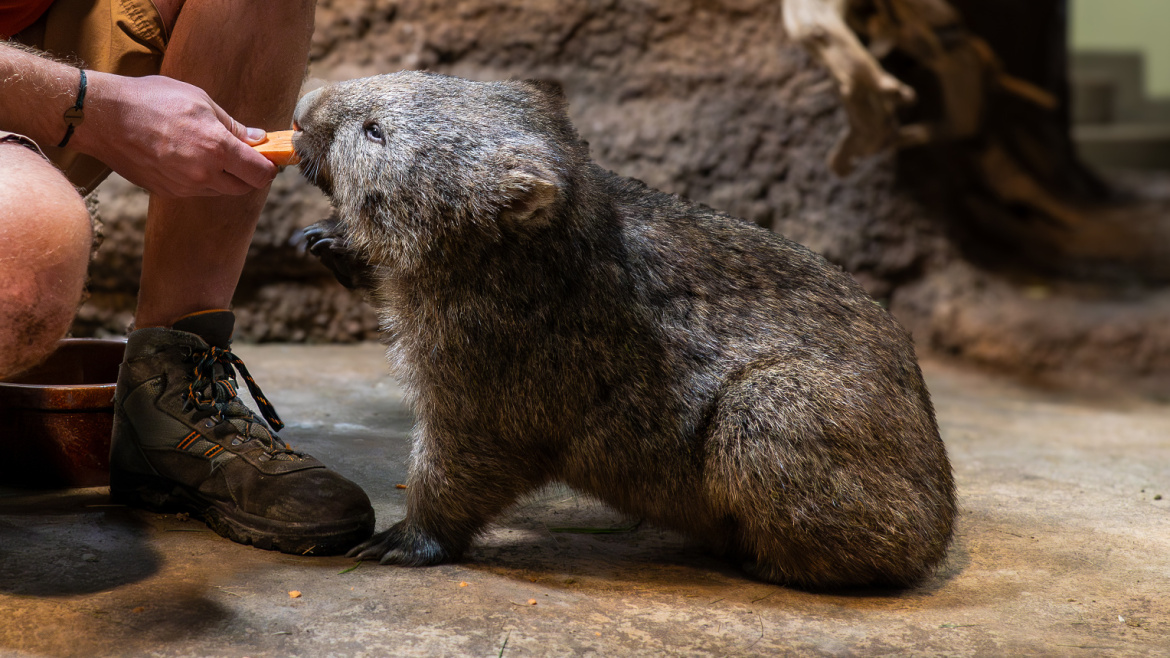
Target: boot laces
(213,390)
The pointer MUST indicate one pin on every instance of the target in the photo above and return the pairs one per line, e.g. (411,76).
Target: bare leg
(250,57)
(46,235)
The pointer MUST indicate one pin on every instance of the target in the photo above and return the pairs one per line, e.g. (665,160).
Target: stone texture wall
(703,98)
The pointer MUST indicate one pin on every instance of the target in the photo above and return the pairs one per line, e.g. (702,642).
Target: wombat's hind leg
(831,481)
(767,573)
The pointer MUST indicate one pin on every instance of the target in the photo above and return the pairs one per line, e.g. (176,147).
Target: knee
(45,239)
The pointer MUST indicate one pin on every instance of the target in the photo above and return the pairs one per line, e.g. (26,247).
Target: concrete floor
(1063,549)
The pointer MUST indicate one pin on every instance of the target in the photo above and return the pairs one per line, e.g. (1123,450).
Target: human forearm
(34,93)
(163,134)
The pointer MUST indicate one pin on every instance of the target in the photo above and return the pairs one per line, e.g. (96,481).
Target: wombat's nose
(303,106)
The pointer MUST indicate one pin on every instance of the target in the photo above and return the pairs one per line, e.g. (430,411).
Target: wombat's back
(814,450)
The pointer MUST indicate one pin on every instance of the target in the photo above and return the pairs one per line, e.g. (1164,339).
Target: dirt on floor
(1062,548)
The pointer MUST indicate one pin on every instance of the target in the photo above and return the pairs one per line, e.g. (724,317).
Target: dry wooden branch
(966,68)
(870,94)
(931,32)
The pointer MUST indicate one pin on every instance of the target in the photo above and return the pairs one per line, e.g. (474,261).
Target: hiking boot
(183,441)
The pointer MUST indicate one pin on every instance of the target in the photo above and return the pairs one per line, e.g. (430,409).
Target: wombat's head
(418,161)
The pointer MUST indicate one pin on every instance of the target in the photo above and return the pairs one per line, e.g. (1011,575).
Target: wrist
(74,116)
(101,105)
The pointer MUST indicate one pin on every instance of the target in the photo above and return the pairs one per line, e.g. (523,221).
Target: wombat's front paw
(404,545)
(330,248)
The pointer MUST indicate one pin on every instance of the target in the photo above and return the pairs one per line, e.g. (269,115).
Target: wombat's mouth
(311,143)
(313,165)
(318,175)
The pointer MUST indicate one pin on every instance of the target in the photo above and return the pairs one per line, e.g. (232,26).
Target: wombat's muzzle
(308,143)
(304,105)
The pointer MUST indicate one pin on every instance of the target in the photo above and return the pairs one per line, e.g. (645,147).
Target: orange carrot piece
(278,148)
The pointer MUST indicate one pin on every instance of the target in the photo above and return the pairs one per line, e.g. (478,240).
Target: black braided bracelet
(74,115)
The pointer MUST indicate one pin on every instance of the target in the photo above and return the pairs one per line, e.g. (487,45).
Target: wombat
(553,321)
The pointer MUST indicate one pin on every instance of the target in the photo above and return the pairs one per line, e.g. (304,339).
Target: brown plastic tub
(56,420)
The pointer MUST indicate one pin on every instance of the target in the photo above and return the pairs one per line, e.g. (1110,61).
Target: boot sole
(164,496)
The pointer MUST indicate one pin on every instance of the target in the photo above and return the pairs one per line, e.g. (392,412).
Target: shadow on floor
(70,542)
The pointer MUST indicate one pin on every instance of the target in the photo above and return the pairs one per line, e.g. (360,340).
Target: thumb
(243,133)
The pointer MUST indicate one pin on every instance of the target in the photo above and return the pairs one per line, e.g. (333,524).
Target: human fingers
(244,163)
(239,158)
(252,136)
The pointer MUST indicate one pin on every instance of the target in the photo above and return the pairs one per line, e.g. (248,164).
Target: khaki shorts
(126,37)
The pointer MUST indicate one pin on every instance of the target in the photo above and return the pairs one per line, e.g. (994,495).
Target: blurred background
(1121,81)
(1027,229)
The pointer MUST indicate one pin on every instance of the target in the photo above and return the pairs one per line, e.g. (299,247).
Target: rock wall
(703,98)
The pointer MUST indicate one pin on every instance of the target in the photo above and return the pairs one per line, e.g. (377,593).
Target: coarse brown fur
(553,321)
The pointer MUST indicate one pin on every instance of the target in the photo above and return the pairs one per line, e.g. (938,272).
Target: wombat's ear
(526,197)
(551,90)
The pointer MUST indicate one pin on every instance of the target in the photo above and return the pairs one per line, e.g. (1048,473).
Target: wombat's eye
(374,132)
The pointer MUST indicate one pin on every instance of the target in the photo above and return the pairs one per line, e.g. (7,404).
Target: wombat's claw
(333,254)
(318,238)
(314,232)
(402,545)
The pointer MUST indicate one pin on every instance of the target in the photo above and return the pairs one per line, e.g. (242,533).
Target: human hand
(170,138)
